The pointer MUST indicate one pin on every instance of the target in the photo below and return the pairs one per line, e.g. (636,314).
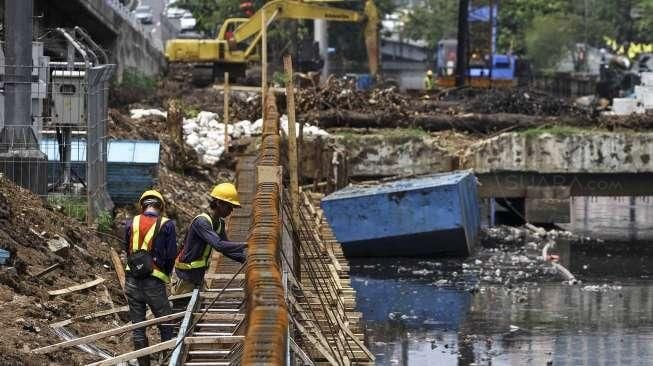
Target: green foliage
(549,38)
(280,78)
(436,20)
(136,80)
(190,111)
(72,206)
(104,222)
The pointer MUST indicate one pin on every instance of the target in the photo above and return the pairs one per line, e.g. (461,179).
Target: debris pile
(520,101)
(57,269)
(341,95)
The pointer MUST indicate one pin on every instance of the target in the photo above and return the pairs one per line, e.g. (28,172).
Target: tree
(434,21)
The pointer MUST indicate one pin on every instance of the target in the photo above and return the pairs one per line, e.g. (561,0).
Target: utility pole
(463,39)
(17,132)
(20,157)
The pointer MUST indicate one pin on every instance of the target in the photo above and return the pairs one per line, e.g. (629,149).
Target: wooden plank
(214,339)
(226,112)
(249,89)
(118,267)
(106,333)
(300,352)
(79,287)
(135,354)
(47,270)
(264,63)
(315,343)
(223,276)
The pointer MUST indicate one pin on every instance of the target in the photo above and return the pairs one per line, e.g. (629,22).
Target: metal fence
(60,151)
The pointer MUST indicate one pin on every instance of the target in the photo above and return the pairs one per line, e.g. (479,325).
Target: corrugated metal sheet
(132,165)
(435,214)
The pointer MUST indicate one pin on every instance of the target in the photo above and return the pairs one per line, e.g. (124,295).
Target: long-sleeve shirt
(164,247)
(201,233)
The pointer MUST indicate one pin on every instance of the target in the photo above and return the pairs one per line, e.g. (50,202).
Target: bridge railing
(130,18)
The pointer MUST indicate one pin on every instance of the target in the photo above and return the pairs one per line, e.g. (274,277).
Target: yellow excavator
(237,43)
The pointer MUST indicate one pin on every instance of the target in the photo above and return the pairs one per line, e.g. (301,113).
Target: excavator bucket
(372,36)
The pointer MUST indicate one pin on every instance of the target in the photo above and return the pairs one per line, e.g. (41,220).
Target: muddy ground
(27,223)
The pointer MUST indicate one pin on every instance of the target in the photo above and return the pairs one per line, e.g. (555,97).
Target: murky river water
(607,320)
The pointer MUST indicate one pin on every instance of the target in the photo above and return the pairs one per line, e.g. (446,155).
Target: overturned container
(434,215)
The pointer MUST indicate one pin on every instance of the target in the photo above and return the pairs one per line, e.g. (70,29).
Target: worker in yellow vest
(151,243)
(429,81)
(207,232)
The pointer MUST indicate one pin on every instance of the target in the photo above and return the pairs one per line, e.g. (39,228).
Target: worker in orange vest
(151,243)
(207,232)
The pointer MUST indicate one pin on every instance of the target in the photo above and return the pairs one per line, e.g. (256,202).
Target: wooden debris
(117,265)
(46,270)
(135,354)
(79,287)
(107,333)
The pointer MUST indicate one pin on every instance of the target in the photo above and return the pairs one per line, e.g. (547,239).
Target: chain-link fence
(58,147)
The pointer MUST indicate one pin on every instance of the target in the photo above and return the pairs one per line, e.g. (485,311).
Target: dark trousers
(144,292)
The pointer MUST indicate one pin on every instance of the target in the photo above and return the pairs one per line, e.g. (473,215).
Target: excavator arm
(248,31)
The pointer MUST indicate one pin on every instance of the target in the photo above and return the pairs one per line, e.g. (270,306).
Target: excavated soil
(27,223)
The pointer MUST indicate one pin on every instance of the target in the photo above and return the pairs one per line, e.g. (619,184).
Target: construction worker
(151,248)
(207,231)
(429,82)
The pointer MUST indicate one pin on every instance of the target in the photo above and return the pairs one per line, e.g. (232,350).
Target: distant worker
(429,82)
(151,243)
(207,231)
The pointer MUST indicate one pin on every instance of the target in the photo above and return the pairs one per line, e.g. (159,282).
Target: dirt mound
(521,101)
(27,224)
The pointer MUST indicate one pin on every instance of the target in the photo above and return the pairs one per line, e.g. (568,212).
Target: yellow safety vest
(203,261)
(149,236)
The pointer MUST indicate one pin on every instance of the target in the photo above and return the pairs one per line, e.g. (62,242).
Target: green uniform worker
(429,82)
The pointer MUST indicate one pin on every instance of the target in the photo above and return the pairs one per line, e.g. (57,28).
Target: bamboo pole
(264,61)
(292,137)
(226,112)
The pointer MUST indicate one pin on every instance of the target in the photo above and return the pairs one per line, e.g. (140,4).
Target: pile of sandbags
(205,133)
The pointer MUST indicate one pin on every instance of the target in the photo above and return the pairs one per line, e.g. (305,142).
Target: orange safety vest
(145,242)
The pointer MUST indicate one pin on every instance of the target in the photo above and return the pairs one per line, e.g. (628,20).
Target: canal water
(415,315)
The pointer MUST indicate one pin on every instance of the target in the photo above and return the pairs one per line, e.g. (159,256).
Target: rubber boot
(145,360)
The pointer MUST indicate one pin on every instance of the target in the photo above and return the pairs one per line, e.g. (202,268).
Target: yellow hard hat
(226,192)
(429,73)
(152,194)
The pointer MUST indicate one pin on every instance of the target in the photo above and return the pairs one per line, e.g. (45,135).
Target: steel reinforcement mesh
(266,336)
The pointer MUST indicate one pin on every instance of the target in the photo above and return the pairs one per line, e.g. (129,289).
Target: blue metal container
(427,216)
(132,166)
(4,256)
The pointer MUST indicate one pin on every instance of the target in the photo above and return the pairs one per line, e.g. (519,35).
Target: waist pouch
(140,263)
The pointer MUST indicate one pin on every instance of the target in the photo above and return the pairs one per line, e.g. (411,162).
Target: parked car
(187,21)
(175,13)
(144,14)
(190,34)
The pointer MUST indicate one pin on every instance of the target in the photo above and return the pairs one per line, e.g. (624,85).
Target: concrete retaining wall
(388,155)
(584,152)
